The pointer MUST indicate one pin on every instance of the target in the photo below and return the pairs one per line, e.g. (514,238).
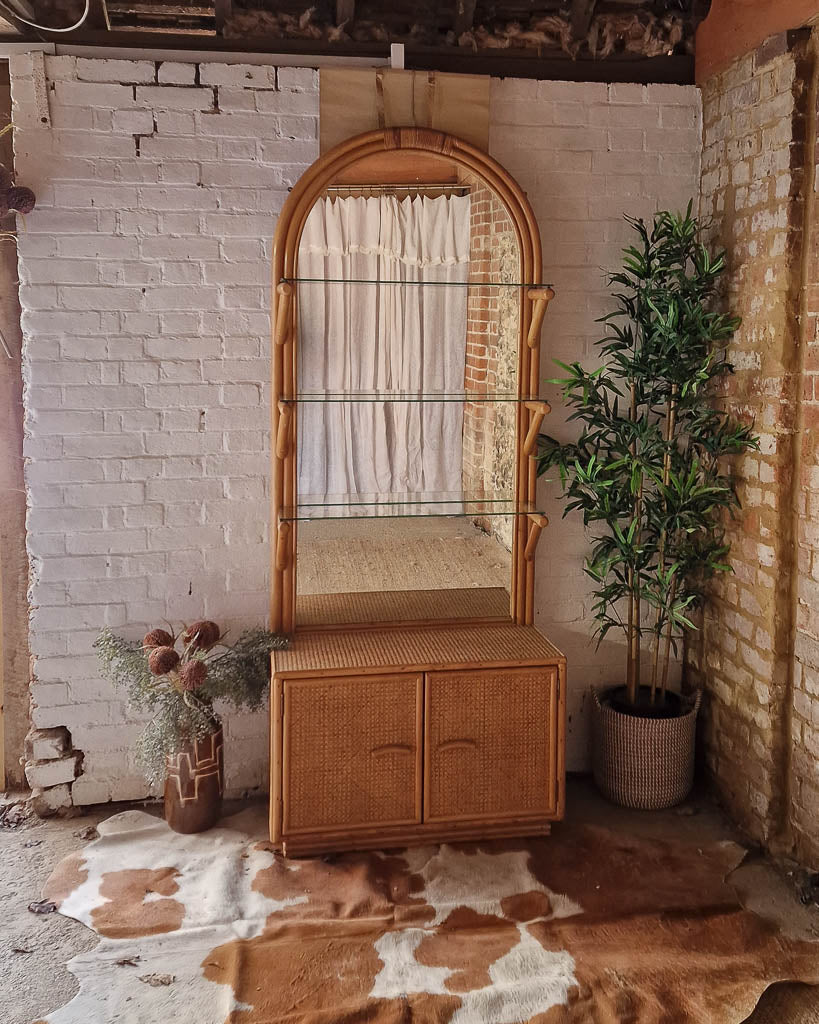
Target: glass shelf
(414,284)
(409,396)
(398,506)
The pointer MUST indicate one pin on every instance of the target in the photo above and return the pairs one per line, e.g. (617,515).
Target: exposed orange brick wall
(804,789)
(736,27)
(756,654)
(491,352)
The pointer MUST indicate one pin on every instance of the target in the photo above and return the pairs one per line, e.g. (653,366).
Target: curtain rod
(419,187)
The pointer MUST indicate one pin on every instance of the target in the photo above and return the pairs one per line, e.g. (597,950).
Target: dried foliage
(640,32)
(180,687)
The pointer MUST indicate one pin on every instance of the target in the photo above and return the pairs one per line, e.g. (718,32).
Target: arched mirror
(416,701)
(405,370)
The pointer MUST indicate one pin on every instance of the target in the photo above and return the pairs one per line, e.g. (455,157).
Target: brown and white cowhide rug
(586,926)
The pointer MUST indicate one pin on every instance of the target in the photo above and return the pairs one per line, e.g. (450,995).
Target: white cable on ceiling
(46,28)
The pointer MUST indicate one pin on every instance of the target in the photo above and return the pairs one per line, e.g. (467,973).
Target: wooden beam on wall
(345,11)
(464,16)
(97,16)
(14,654)
(581,18)
(222,9)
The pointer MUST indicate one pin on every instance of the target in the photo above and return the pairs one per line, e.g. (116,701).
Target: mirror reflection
(408,313)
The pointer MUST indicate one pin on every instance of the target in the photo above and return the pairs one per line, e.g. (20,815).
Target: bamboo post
(538,522)
(285,293)
(538,410)
(541,297)
(283,430)
(282,546)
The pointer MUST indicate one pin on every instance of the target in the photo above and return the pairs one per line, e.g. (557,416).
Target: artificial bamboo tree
(649,463)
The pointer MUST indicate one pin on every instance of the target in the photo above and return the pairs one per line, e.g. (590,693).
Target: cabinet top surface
(420,648)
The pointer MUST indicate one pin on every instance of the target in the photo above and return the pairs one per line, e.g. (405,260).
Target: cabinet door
(351,752)
(490,744)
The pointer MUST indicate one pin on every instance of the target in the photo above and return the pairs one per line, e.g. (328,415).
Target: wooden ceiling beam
(677,69)
(98,16)
(345,11)
(581,18)
(464,16)
(222,10)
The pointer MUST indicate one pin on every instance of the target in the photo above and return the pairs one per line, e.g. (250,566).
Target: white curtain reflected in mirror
(407,407)
(404,334)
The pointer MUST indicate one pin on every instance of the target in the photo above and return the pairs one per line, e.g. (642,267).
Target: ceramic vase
(194,784)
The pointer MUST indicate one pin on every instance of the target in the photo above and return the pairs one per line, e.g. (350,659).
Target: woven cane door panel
(490,744)
(351,752)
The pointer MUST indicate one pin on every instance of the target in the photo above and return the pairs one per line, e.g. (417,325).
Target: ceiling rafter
(646,40)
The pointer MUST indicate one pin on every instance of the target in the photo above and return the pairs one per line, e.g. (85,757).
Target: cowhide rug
(585,926)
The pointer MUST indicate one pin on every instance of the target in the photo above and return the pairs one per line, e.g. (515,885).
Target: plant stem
(667,651)
(630,691)
(671,417)
(633,663)
(637,631)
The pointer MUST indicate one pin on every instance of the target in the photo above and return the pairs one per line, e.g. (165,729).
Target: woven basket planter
(646,763)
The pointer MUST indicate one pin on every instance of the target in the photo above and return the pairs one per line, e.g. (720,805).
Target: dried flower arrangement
(181,687)
(13,197)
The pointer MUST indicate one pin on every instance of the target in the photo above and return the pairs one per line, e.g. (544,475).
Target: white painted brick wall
(145,300)
(586,154)
(145,293)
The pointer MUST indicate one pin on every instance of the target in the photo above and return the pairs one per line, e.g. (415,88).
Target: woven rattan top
(401,606)
(419,648)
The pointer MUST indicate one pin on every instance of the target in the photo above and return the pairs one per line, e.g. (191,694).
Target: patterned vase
(194,784)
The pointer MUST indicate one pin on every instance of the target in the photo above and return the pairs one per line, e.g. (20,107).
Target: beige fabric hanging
(359,336)
(358,100)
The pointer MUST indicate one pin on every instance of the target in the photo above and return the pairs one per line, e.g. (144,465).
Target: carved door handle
(392,748)
(462,744)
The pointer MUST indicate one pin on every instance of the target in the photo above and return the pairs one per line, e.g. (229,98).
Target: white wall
(145,293)
(586,154)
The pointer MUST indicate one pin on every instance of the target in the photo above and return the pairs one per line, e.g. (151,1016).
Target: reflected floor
(397,607)
(367,556)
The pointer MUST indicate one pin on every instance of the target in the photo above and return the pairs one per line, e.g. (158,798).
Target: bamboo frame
(533,304)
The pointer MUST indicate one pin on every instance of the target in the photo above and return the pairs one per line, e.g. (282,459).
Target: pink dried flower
(163,660)
(193,674)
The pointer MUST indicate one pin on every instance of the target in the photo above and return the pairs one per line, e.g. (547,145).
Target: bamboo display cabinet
(410,716)
(385,736)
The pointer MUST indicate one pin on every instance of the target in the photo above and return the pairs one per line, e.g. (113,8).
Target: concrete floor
(35,948)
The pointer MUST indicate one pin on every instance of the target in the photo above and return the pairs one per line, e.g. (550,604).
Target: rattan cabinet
(386,737)
(409,707)
(351,753)
(489,744)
